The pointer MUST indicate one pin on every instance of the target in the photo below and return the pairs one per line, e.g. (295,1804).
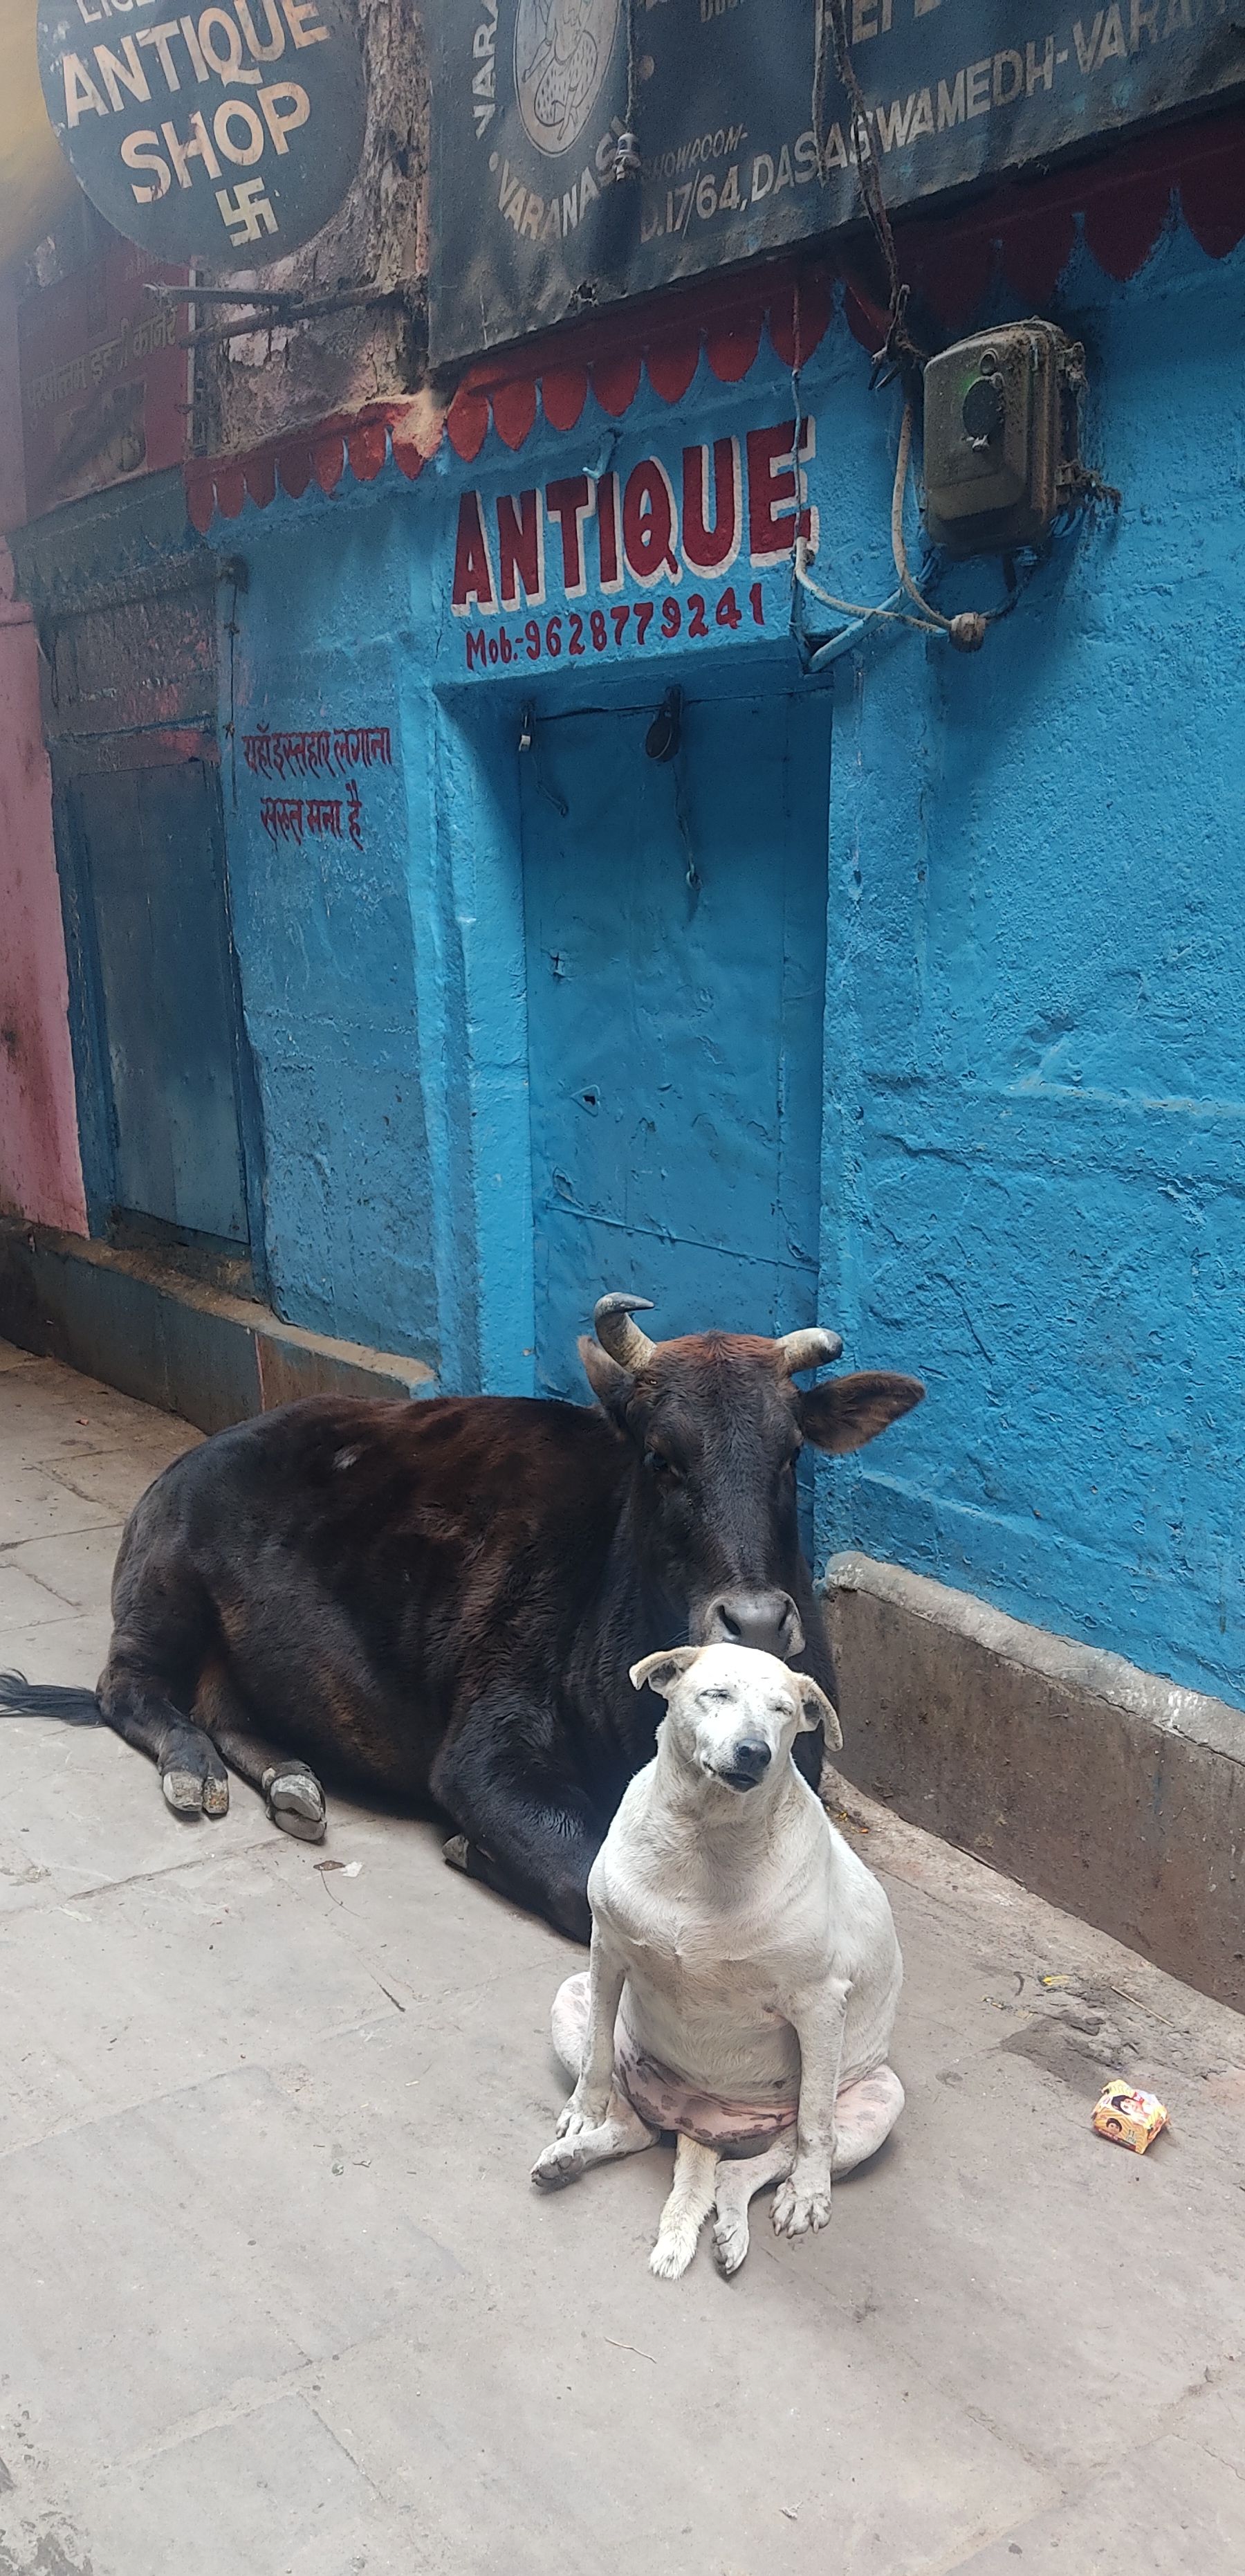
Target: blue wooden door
(675,919)
(165,1005)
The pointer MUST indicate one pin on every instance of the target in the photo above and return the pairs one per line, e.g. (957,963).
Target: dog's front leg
(598,2123)
(819,2020)
(590,2100)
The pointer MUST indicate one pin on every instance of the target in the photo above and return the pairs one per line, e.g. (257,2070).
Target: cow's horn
(808,1350)
(618,1335)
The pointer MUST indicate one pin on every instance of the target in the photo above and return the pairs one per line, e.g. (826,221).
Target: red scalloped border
(292,463)
(1025,231)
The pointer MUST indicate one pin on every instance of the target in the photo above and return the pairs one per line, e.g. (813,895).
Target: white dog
(744,1967)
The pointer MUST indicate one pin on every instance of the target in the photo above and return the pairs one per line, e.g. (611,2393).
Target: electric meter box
(1000,437)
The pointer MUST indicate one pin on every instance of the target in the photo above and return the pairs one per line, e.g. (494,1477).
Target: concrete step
(1104,1788)
(137,1323)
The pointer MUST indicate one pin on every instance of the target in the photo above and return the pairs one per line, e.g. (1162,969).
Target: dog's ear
(661,1672)
(814,1705)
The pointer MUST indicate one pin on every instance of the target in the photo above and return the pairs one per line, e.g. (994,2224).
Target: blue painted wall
(1032,1152)
(1036,1189)
(325,934)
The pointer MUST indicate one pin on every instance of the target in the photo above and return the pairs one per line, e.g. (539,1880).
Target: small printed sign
(226,136)
(104,385)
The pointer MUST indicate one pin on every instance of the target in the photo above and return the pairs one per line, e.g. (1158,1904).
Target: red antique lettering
(473,573)
(520,548)
(771,492)
(569,503)
(607,531)
(711,549)
(649,523)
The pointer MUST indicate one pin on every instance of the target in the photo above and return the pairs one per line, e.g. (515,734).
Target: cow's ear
(816,1709)
(612,1386)
(662,1671)
(848,1411)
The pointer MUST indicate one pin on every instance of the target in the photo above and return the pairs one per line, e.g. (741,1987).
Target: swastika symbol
(246,211)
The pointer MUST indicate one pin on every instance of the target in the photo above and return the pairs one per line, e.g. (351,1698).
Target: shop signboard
(664,554)
(745,138)
(105,383)
(227,136)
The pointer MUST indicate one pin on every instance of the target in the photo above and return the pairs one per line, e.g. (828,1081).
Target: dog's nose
(751,1758)
(767,1621)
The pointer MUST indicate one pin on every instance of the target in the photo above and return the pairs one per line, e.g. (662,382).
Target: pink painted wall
(40,1168)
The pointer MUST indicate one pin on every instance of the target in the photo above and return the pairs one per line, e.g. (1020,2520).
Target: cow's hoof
(183,1792)
(454,1853)
(195,1793)
(295,1802)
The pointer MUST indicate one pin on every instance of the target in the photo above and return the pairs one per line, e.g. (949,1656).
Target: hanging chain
(899,353)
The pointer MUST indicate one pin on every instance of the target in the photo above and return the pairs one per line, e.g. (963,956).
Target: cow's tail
(20,1698)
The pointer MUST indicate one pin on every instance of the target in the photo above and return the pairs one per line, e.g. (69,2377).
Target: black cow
(442,1601)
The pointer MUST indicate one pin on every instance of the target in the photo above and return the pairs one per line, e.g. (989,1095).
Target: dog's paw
(562,2162)
(801,2203)
(673,2251)
(730,2242)
(576,2116)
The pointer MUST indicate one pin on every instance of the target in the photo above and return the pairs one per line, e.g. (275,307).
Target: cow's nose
(751,1758)
(768,1621)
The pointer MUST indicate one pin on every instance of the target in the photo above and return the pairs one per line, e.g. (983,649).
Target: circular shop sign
(227,136)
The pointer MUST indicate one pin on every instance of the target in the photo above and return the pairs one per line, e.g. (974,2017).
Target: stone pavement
(277,2299)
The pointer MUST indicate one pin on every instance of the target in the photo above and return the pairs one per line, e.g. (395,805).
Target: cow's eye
(662,1467)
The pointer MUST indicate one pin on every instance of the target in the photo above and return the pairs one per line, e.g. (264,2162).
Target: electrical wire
(855,608)
(899,355)
(627,162)
(899,350)
(966,631)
